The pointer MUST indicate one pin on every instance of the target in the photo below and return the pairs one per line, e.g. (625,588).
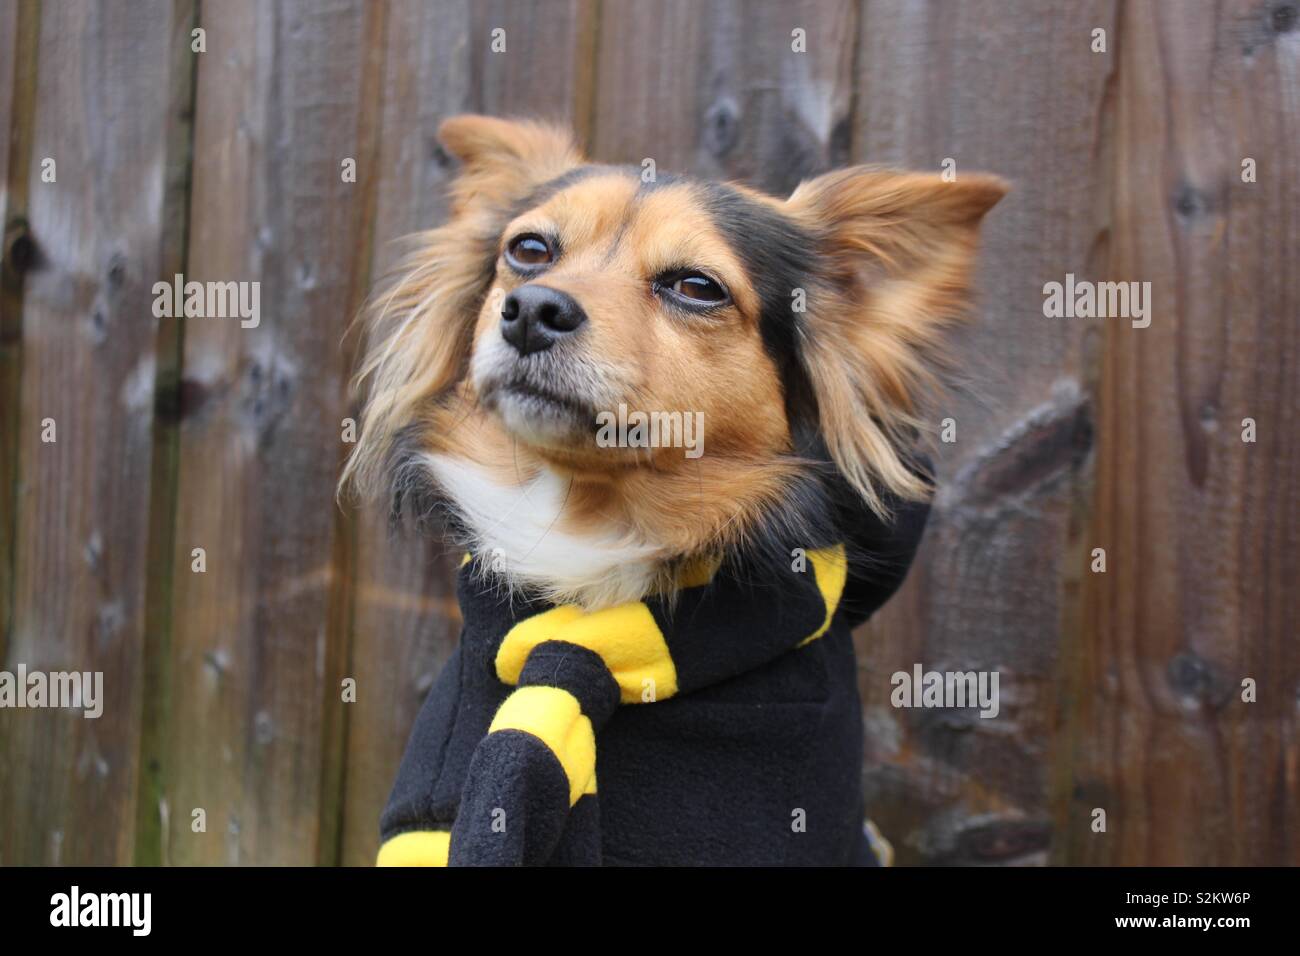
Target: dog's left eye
(698,289)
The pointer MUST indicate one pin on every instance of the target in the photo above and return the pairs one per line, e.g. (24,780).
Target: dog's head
(559,290)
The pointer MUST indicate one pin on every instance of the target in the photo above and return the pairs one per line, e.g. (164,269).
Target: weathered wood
(718,89)
(8,49)
(255,638)
(67,784)
(338,705)
(19,25)
(1018,93)
(166,441)
(1200,528)
(545,70)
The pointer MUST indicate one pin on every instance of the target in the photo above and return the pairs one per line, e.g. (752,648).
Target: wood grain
(154,714)
(255,638)
(1201,528)
(19,32)
(67,784)
(999,88)
(545,70)
(717,90)
(8,84)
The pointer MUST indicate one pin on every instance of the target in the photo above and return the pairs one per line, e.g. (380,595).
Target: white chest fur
(517,529)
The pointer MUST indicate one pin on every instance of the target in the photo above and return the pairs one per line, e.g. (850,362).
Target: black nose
(533,317)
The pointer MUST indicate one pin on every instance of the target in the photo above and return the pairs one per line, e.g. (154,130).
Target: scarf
(533,776)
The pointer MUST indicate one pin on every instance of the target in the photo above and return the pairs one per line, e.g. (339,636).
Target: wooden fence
(1121,690)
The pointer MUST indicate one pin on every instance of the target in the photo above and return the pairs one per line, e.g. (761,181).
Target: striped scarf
(531,794)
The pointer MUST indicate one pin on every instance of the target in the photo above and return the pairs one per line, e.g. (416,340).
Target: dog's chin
(541,418)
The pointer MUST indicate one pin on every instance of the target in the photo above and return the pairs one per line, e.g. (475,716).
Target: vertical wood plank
(154,713)
(1200,528)
(67,783)
(545,70)
(254,640)
(8,50)
(1014,90)
(16,89)
(337,706)
(19,26)
(717,89)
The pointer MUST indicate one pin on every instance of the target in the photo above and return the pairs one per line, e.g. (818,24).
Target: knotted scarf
(530,792)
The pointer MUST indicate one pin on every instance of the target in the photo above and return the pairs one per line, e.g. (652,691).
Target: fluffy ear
(896,252)
(420,324)
(503,160)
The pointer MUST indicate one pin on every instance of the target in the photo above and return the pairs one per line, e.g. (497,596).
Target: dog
(690,610)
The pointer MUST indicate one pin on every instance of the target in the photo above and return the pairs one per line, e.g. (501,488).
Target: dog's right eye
(528,251)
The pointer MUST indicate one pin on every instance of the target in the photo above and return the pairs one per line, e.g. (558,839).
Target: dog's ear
(503,160)
(895,252)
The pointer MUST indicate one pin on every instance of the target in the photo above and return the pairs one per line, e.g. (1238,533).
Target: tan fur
(902,246)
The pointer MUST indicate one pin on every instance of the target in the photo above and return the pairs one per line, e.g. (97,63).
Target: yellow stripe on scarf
(554,717)
(832,569)
(626,638)
(416,848)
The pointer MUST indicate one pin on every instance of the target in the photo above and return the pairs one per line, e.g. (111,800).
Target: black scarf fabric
(721,725)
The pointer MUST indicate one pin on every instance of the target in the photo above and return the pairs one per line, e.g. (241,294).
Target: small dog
(710,591)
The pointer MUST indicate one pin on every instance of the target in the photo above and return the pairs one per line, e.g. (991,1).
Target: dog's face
(612,291)
(800,333)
